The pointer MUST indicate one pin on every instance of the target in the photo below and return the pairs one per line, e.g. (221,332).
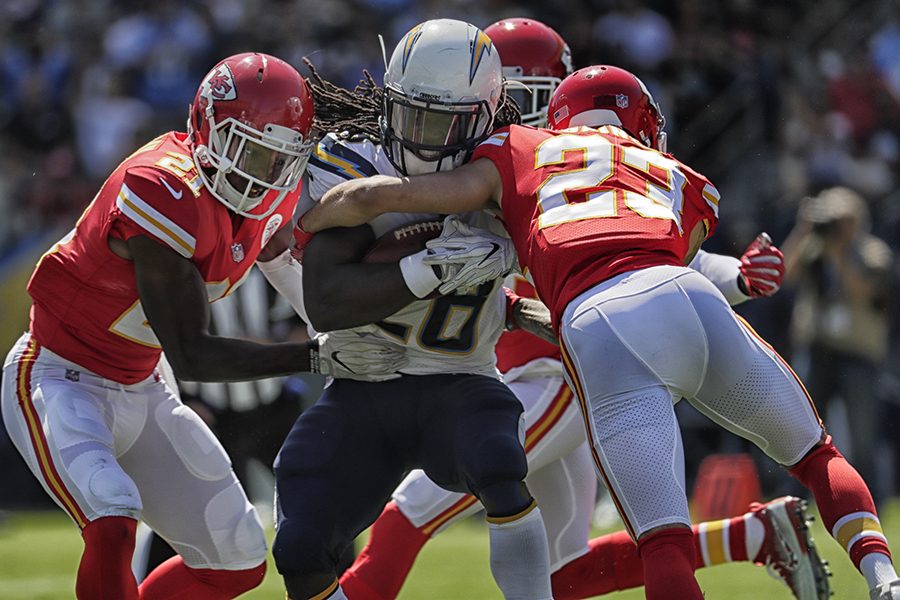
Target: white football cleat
(887,591)
(788,550)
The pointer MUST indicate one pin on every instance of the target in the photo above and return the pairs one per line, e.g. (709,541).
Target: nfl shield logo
(237,252)
(621,100)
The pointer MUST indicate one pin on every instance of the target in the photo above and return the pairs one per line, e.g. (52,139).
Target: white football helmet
(441,91)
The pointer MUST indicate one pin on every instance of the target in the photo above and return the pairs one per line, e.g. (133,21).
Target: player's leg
(334,473)
(626,344)
(61,422)
(421,509)
(193,500)
(751,391)
(480,420)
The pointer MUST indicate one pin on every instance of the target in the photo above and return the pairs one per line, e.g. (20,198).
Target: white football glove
(364,358)
(468,256)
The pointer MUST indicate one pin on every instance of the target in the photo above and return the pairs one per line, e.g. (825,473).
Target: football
(403,241)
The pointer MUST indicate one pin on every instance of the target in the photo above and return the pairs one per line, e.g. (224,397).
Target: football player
(604,221)
(560,470)
(448,413)
(86,398)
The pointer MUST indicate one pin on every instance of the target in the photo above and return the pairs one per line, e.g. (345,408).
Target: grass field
(39,554)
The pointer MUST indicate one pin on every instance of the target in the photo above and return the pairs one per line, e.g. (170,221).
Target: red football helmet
(533,54)
(249,131)
(606,95)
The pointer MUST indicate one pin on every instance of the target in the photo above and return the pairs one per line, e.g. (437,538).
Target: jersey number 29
(661,199)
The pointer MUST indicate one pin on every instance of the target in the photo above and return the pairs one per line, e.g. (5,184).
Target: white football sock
(520,557)
(877,569)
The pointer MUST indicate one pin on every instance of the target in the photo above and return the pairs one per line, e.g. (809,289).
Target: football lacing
(417,228)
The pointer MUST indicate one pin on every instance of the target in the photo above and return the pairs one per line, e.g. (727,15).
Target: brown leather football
(403,241)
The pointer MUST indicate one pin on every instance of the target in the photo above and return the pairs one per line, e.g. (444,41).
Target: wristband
(511,299)
(419,277)
(314,364)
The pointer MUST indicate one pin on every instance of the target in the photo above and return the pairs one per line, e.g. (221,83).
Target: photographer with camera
(839,326)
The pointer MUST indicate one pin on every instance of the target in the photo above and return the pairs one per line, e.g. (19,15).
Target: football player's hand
(762,268)
(363,358)
(468,256)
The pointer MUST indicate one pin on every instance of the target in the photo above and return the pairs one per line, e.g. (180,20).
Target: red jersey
(516,348)
(583,205)
(85,304)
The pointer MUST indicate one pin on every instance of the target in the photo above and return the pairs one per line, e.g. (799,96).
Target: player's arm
(529,314)
(340,292)
(759,271)
(282,270)
(174,298)
(470,187)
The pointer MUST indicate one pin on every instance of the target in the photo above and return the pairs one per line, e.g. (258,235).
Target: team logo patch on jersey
(221,84)
(272,226)
(481,46)
(237,252)
(621,100)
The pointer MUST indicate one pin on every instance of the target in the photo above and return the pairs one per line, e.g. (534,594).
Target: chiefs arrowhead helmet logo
(221,84)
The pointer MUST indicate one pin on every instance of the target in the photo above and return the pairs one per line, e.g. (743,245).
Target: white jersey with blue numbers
(450,334)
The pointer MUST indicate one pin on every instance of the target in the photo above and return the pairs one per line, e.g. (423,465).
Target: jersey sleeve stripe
(497,139)
(711,195)
(342,161)
(155,222)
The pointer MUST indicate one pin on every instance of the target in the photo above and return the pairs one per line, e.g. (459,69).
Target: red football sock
(381,568)
(105,569)
(669,559)
(843,500)
(174,580)
(612,563)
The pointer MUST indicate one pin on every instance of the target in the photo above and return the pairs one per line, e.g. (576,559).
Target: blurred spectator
(635,36)
(109,121)
(841,274)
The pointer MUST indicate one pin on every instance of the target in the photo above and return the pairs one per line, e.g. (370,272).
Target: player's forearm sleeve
(723,271)
(286,276)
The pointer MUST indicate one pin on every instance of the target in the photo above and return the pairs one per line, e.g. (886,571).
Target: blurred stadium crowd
(774,101)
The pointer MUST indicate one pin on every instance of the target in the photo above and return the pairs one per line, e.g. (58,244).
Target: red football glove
(301,239)
(762,268)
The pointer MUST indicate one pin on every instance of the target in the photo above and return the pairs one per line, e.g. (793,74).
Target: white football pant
(101,448)
(635,344)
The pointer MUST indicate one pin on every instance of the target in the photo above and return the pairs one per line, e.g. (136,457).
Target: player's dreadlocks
(355,112)
(341,110)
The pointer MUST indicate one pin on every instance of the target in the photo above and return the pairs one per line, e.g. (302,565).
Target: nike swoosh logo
(177,195)
(493,251)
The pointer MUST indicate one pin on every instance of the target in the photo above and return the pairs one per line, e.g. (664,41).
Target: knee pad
(505,499)
(193,442)
(300,549)
(497,459)
(235,528)
(108,490)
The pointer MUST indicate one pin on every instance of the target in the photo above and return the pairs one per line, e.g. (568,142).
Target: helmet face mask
(536,56)
(249,130)
(429,132)
(532,102)
(442,88)
(248,163)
